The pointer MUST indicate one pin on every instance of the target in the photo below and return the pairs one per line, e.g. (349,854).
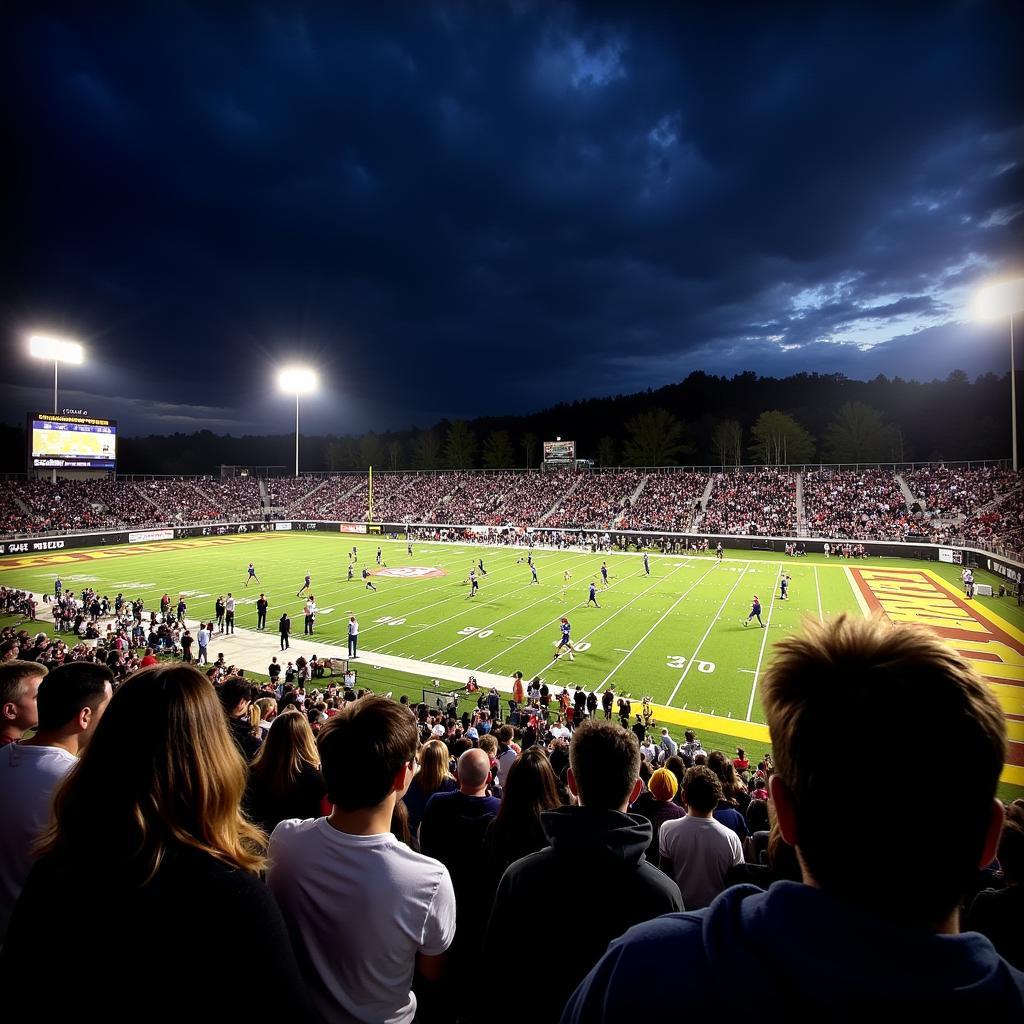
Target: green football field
(676,634)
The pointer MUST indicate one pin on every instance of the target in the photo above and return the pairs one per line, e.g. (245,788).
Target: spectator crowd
(376,852)
(970,502)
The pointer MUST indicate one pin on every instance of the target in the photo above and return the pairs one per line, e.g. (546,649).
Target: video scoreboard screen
(559,451)
(61,440)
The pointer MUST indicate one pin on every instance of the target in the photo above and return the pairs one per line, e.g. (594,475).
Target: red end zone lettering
(994,647)
(410,572)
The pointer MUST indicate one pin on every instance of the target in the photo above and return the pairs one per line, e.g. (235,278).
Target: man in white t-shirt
(696,850)
(560,731)
(365,912)
(70,702)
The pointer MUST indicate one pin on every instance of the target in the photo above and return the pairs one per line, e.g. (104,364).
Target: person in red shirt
(740,762)
(148,659)
(518,693)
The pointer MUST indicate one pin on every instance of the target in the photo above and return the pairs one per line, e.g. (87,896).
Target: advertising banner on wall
(141,536)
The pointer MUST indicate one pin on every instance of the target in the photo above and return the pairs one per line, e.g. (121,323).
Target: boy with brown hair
(875,921)
(365,912)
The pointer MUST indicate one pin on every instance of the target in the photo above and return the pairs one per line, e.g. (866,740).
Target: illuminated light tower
(1003,300)
(297,380)
(59,350)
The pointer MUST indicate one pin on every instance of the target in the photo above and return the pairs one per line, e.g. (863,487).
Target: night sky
(455,208)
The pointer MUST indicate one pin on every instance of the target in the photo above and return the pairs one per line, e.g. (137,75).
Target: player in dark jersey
(718,551)
(647,565)
(369,582)
(593,595)
(604,573)
(252,574)
(351,575)
(480,566)
(408,548)
(379,555)
(755,612)
(784,586)
(566,641)
(305,585)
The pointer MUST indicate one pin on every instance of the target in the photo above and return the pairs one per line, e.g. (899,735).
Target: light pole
(60,350)
(998,301)
(296,380)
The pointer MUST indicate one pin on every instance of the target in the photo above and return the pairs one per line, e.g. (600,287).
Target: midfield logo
(410,572)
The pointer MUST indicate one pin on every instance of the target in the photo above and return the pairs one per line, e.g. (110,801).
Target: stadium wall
(1001,565)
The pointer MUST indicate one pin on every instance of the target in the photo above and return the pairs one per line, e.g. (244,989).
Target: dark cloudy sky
(460,208)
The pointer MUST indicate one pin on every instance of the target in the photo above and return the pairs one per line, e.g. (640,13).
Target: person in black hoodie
(601,848)
(874,924)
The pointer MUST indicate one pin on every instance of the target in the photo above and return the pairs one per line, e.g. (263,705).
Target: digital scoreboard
(64,441)
(560,451)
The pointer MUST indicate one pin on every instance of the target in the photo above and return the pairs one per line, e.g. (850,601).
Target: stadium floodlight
(296,380)
(57,350)
(998,301)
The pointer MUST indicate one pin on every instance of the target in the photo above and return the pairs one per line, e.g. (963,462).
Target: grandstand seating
(972,504)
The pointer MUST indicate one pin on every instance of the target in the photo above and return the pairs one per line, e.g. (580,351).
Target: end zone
(993,646)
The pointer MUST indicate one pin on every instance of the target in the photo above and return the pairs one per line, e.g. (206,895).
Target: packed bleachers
(838,504)
(284,492)
(959,490)
(759,502)
(602,500)
(668,502)
(858,505)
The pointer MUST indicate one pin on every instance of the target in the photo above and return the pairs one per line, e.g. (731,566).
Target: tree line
(702,420)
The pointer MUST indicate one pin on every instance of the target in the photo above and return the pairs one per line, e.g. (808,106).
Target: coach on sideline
(875,922)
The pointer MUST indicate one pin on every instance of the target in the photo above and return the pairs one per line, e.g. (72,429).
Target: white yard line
(430,625)
(696,650)
(757,671)
(664,615)
(865,610)
(490,625)
(817,587)
(605,622)
(574,608)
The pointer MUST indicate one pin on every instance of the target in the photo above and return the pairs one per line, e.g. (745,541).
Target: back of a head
(288,744)
(433,758)
(822,689)
(69,688)
(474,768)
(530,787)
(605,762)
(362,749)
(161,770)
(702,789)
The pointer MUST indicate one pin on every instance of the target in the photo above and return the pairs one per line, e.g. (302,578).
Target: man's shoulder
(294,832)
(35,760)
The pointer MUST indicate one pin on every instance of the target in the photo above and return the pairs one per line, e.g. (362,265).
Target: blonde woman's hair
(288,744)
(161,771)
(433,758)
